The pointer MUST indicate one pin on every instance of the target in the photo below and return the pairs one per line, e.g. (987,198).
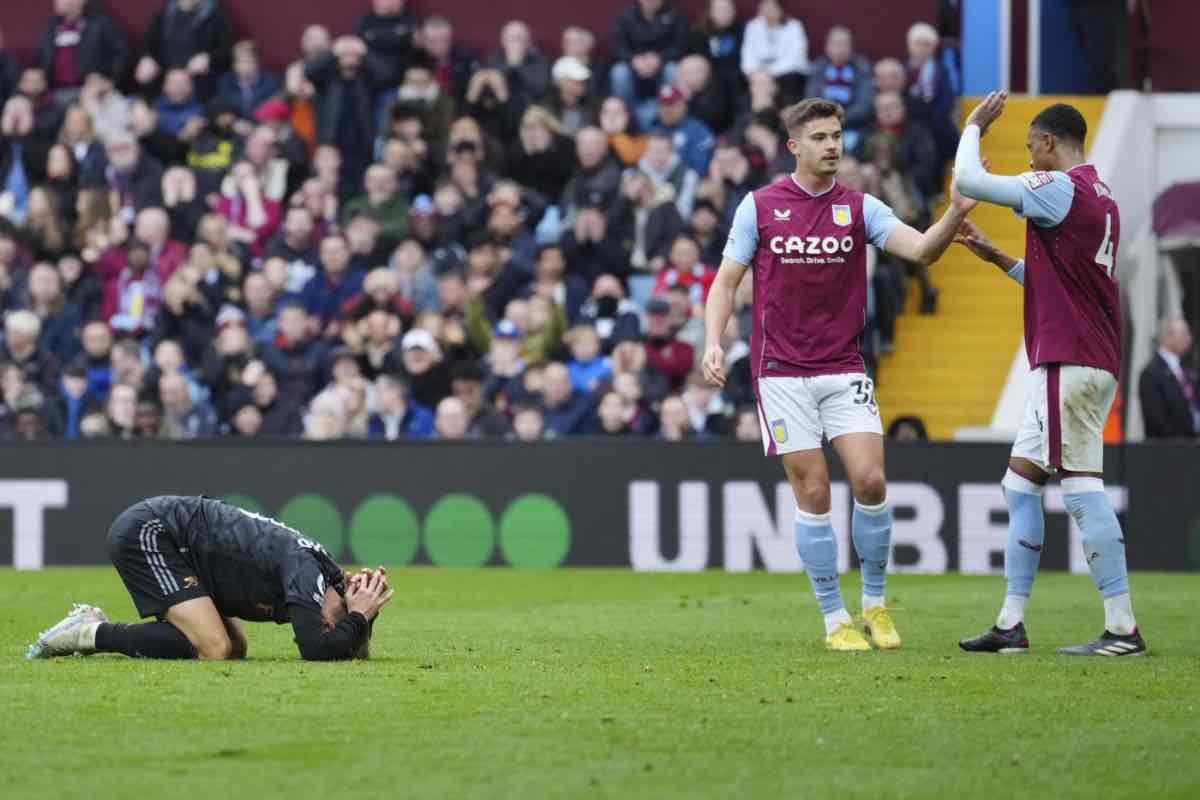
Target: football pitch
(590,683)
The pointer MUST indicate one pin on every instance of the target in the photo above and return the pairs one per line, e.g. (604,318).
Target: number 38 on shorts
(796,413)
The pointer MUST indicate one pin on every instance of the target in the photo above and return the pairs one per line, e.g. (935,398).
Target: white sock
(870,601)
(836,619)
(1012,612)
(1118,615)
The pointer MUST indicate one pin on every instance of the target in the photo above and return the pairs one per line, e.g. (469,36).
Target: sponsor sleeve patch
(1036,180)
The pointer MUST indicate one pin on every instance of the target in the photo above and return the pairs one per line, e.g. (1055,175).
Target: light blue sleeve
(879,219)
(743,235)
(1017,273)
(1046,197)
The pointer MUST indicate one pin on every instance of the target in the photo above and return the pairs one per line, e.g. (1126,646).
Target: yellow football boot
(846,637)
(881,629)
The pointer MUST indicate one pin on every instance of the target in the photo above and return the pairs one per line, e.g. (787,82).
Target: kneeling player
(199,565)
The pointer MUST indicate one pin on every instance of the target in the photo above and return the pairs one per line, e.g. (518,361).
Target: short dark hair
(466,371)
(795,116)
(1063,121)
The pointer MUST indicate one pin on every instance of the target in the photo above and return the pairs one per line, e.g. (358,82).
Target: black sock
(148,640)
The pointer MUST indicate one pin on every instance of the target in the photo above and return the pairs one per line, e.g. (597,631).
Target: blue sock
(1103,544)
(1026,533)
(871,530)
(818,550)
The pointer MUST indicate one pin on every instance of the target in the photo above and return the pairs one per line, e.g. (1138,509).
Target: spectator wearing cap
(246,87)
(451,421)
(693,140)
(79,41)
(664,353)
(183,417)
(570,100)
(567,411)
(396,416)
(467,384)
(388,30)
(778,44)
(227,357)
(424,368)
(211,153)
(664,166)
(187,34)
(647,40)
(295,357)
(338,281)
(589,367)
(627,142)
(503,364)
(845,78)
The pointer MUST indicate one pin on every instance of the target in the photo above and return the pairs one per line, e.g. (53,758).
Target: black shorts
(154,570)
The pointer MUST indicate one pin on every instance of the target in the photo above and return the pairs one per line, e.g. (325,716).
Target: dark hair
(1063,121)
(915,423)
(795,116)
(466,371)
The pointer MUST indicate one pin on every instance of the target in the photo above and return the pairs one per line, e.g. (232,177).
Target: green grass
(581,683)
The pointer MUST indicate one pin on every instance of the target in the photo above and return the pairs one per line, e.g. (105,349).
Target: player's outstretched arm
(717,311)
(925,248)
(971,175)
(974,239)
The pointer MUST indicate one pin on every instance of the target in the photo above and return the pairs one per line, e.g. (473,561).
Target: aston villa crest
(841,215)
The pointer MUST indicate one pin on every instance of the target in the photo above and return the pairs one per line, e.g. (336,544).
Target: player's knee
(870,487)
(813,495)
(214,649)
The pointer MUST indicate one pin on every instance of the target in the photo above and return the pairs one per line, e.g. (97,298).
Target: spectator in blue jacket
(337,282)
(693,139)
(588,366)
(246,86)
(567,412)
(178,103)
(396,416)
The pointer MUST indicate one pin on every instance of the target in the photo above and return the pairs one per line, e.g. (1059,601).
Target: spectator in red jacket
(684,269)
(664,353)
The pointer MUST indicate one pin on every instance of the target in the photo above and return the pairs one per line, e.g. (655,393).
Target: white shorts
(1065,413)
(794,413)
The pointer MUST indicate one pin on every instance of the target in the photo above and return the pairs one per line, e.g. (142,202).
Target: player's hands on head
(714,365)
(368,592)
(988,111)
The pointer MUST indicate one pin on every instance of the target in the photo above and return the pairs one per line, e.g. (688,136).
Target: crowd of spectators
(397,237)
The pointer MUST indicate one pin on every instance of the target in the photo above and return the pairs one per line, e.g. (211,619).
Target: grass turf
(583,683)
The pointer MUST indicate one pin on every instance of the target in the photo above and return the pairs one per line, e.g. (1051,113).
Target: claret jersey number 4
(1104,256)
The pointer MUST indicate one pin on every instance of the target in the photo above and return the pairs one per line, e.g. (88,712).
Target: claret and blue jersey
(809,257)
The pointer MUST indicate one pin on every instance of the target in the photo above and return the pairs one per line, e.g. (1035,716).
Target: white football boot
(75,634)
